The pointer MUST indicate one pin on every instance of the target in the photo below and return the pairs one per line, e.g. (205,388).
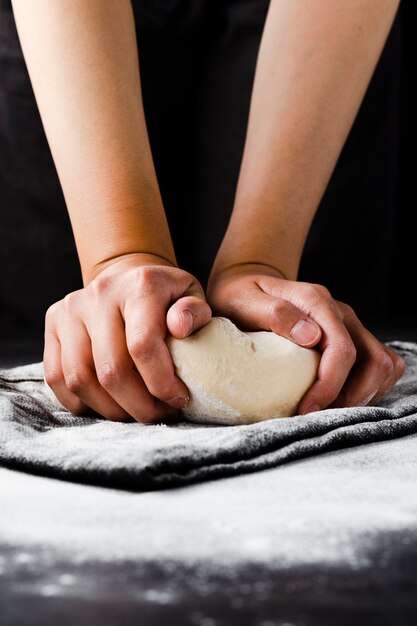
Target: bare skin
(105,344)
(315,62)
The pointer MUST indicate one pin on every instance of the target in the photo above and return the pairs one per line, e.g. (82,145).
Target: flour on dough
(237,377)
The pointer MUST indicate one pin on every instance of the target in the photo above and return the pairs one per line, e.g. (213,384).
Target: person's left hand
(355,366)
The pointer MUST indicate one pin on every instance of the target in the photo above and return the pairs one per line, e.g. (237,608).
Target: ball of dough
(237,377)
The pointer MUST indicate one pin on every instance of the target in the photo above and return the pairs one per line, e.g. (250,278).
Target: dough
(237,377)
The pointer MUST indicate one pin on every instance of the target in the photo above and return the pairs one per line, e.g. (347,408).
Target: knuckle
(141,343)
(316,293)
(70,300)
(76,380)
(195,301)
(51,313)
(197,288)
(322,291)
(109,374)
(400,366)
(53,376)
(346,309)
(149,278)
(277,308)
(346,350)
(99,287)
(384,363)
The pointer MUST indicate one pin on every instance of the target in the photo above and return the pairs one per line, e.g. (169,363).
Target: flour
(325,510)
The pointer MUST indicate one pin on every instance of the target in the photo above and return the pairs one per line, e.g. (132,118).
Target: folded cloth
(37,436)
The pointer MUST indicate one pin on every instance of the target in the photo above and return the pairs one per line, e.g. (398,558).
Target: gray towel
(38,437)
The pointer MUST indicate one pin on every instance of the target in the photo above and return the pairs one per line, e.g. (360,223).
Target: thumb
(263,311)
(188,314)
(306,332)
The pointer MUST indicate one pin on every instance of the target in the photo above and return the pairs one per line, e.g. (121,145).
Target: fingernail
(304,332)
(179,402)
(311,409)
(187,321)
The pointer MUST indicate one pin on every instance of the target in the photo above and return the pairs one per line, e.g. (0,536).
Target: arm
(314,64)
(105,344)
(83,64)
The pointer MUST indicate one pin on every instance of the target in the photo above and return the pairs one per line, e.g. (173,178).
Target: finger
(187,315)
(375,370)
(338,357)
(262,311)
(399,370)
(116,371)
(369,381)
(54,376)
(79,371)
(145,331)
(339,352)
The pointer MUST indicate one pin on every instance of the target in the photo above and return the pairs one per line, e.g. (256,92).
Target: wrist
(262,247)
(125,261)
(225,270)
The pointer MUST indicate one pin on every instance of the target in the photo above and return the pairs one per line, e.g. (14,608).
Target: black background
(37,256)
(403,272)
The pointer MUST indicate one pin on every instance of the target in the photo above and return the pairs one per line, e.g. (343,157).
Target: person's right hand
(105,344)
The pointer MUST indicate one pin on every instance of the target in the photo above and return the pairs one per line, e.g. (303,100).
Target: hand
(105,344)
(355,367)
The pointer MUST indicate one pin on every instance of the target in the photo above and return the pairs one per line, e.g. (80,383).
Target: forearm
(314,64)
(83,64)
